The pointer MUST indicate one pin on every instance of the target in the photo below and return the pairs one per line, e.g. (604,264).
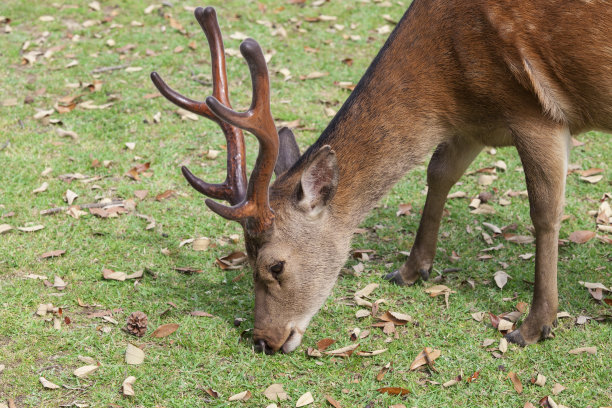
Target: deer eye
(277,268)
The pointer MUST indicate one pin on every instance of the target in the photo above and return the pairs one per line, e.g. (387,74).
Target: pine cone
(137,324)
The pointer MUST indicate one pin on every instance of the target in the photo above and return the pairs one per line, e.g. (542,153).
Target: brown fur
(455,76)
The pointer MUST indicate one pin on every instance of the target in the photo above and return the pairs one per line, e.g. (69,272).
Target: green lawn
(207,352)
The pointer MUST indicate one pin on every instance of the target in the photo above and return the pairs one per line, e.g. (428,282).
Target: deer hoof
(395,277)
(516,337)
(425,273)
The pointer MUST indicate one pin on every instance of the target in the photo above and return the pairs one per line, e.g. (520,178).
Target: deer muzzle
(270,341)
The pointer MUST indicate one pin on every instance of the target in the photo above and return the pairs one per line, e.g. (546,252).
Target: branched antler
(251,207)
(233,189)
(257,120)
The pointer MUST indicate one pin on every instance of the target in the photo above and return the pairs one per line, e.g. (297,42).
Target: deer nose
(262,347)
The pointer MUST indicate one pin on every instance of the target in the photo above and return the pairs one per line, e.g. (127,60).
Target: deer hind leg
(448,163)
(544,152)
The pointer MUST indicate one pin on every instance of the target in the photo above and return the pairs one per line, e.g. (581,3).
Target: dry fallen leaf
(519,239)
(241,396)
(275,392)
(304,400)
(503,345)
(539,380)
(403,209)
(344,351)
(48,384)
(84,371)
(235,260)
(516,382)
(200,313)
(427,356)
(393,391)
(501,278)
(200,244)
(165,195)
(127,386)
(52,254)
(42,188)
(110,274)
(33,228)
(165,330)
(557,388)
(579,350)
(362,313)
(323,344)
(580,237)
(134,355)
(478,316)
(333,402)
(371,353)
(365,292)
(5,228)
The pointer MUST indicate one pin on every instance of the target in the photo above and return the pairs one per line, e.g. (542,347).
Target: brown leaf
(516,383)
(110,274)
(472,378)
(304,400)
(165,330)
(48,384)
(212,392)
(403,209)
(323,344)
(398,319)
(519,239)
(383,371)
(52,254)
(393,391)
(557,388)
(275,392)
(344,351)
(580,237)
(127,386)
(141,194)
(332,402)
(241,396)
(165,195)
(232,261)
(579,350)
(547,402)
(136,170)
(200,313)
(501,278)
(427,356)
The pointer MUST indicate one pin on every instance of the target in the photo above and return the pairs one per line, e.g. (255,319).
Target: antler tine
(257,120)
(233,189)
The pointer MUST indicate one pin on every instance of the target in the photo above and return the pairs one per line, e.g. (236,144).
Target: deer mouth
(265,344)
(292,342)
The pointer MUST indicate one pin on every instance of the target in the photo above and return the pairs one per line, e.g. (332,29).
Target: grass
(206,352)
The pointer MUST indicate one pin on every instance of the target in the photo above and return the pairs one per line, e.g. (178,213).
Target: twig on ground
(5,145)
(80,206)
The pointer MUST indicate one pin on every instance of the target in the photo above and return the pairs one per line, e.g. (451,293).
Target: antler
(233,189)
(255,208)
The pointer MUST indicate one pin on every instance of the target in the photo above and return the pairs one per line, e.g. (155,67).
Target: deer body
(454,76)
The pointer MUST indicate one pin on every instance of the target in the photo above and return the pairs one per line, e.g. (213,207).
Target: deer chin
(294,340)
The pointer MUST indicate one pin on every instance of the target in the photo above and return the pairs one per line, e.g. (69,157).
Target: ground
(338,40)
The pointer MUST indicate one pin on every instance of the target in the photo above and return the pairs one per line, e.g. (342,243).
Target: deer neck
(382,131)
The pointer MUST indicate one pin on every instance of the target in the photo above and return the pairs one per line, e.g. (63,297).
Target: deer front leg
(447,164)
(544,152)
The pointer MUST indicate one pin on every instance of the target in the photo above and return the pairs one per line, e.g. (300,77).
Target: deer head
(293,245)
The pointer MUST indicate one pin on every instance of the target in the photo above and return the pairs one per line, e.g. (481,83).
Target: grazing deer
(453,76)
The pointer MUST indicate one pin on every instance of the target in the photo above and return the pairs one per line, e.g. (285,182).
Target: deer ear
(288,151)
(319,181)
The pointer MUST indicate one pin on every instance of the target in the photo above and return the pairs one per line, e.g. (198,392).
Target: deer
(453,77)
